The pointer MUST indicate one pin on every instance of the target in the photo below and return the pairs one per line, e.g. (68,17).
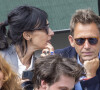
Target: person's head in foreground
(85,34)
(56,73)
(8,78)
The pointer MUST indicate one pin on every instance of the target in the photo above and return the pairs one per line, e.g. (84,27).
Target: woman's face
(40,38)
(1,79)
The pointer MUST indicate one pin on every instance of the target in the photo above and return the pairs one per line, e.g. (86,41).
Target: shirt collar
(20,64)
(78,61)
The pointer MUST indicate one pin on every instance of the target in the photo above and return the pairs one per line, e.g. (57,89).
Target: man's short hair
(84,16)
(51,67)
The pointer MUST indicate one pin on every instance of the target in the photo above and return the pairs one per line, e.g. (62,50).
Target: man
(56,73)
(85,47)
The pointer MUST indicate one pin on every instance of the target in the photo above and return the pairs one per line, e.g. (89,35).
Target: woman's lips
(48,41)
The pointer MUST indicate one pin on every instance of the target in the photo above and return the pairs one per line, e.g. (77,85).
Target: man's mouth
(87,53)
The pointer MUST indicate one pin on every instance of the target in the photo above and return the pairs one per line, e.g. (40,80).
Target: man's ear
(71,40)
(43,85)
(26,35)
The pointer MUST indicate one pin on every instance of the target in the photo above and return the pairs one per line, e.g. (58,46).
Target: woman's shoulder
(9,50)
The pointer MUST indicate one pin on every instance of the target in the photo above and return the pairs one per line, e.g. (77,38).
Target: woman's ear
(71,40)
(26,35)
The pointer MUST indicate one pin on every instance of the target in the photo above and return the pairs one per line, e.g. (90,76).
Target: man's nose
(86,44)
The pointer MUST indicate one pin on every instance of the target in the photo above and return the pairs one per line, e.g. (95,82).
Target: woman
(28,31)
(8,78)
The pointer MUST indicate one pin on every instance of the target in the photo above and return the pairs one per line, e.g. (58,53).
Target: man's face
(86,51)
(64,83)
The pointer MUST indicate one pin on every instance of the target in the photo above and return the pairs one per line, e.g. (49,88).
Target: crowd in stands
(75,67)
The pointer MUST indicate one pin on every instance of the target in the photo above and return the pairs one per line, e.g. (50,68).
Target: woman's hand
(22,81)
(49,49)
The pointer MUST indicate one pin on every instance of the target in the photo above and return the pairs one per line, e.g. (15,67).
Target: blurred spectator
(8,78)
(56,73)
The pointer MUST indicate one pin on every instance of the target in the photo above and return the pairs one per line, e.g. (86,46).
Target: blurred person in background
(54,72)
(8,78)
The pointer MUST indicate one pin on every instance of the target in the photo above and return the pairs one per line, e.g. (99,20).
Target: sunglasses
(81,41)
(46,28)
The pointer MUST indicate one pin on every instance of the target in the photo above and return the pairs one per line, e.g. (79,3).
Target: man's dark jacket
(91,84)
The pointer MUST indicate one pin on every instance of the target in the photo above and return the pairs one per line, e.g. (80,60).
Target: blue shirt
(78,85)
